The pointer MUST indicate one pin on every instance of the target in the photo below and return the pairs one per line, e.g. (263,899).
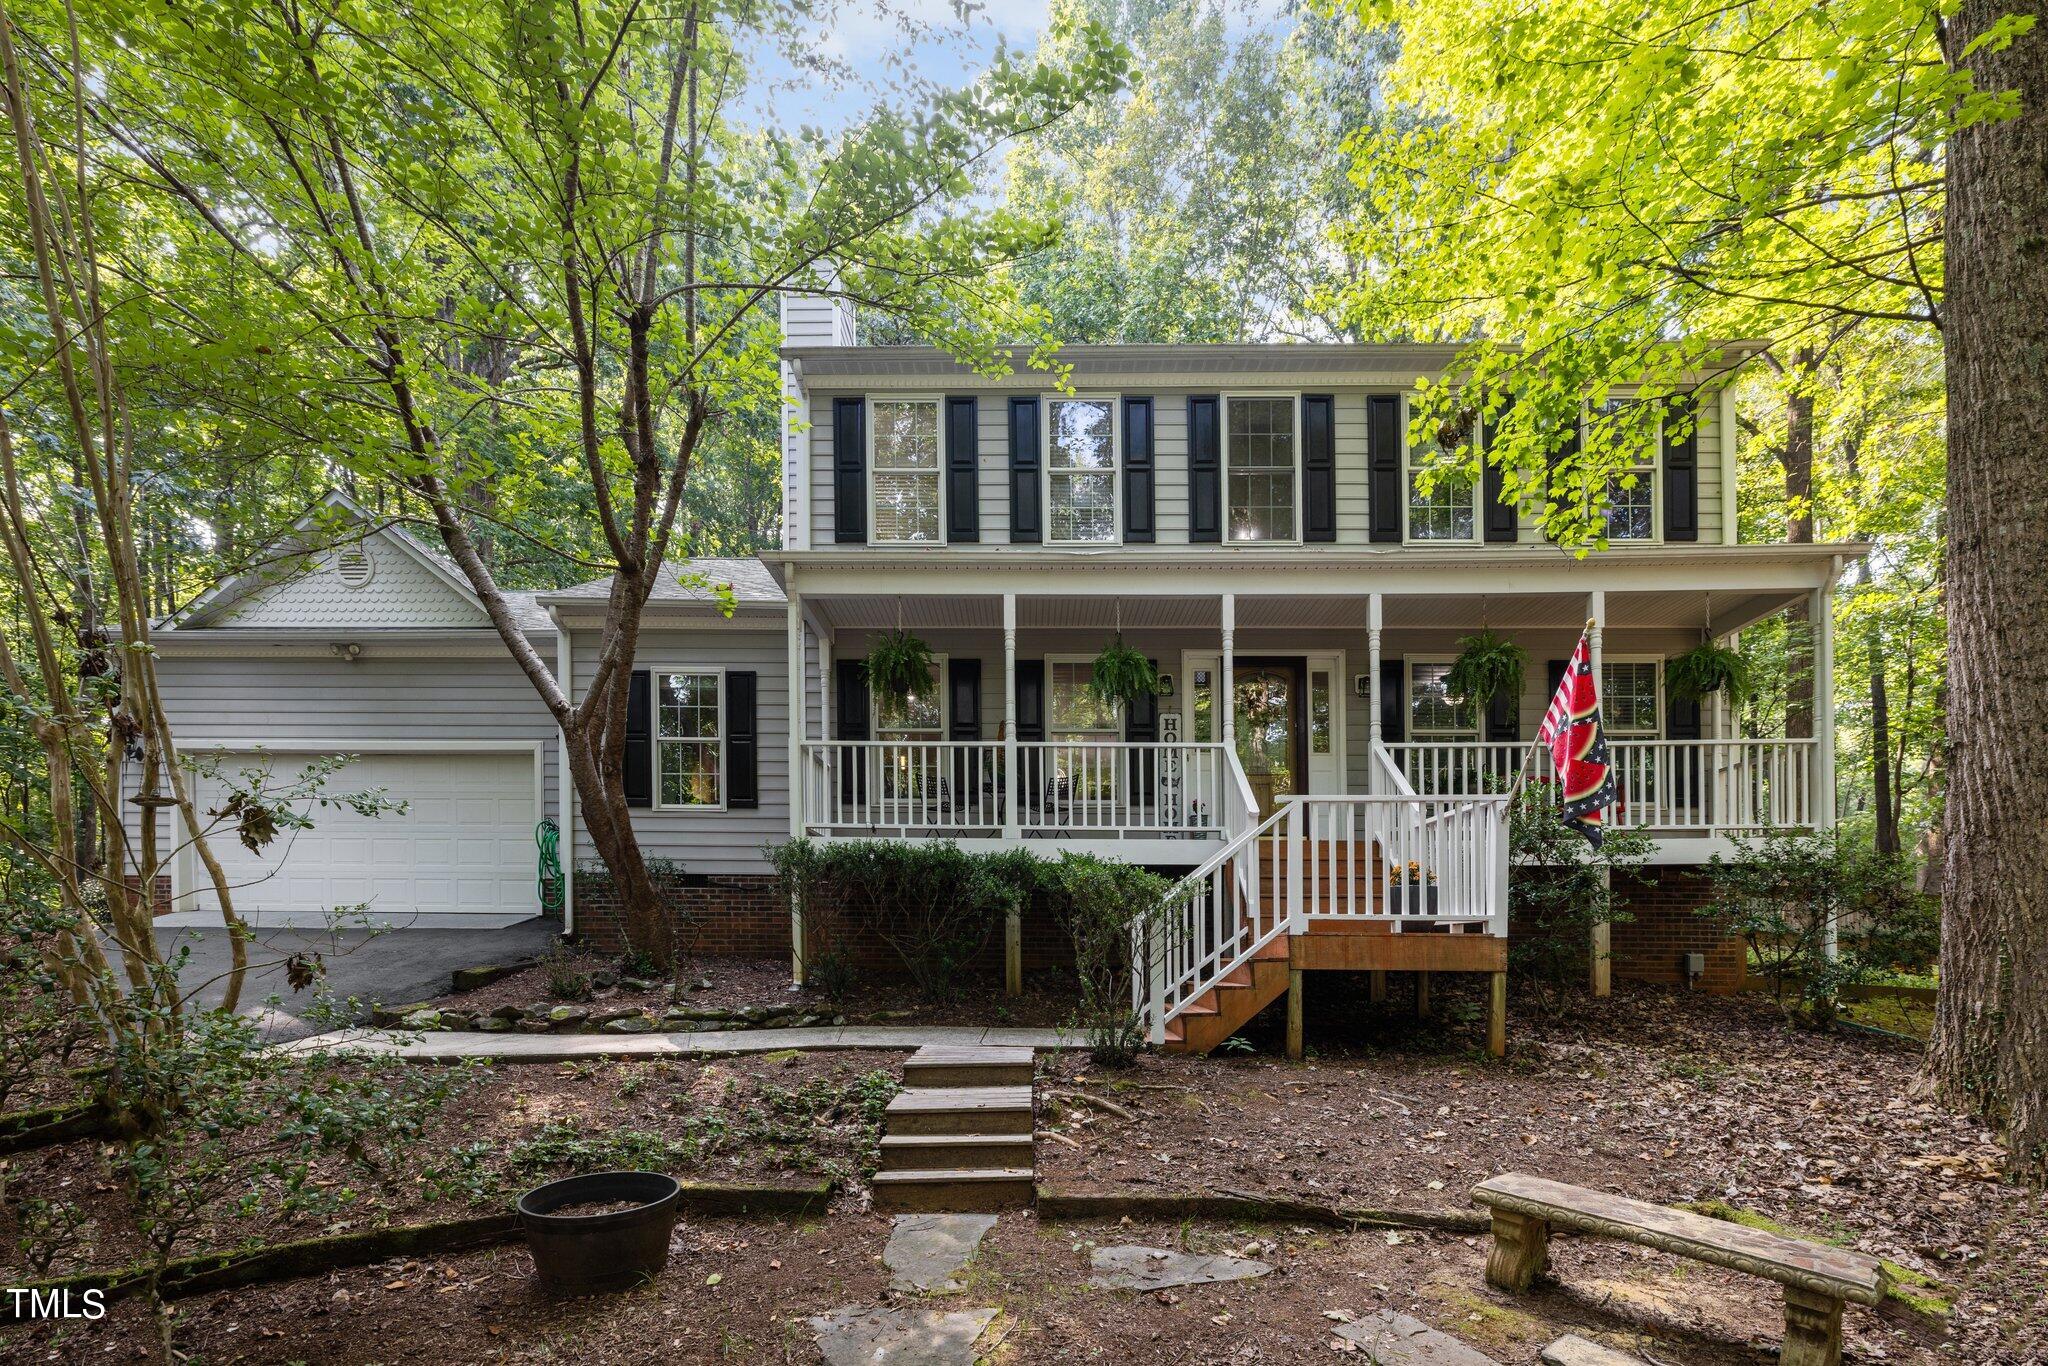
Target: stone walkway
(453,1046)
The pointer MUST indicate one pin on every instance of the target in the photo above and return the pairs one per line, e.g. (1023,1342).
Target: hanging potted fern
(899,665)
(1488,665)
(1708,668)
(1122,675)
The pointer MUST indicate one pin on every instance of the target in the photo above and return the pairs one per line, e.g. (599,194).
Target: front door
(1272,741)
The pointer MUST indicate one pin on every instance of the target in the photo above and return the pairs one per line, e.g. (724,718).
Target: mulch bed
(740,1290)
(1662,1096)
(784,1118)
(732,983)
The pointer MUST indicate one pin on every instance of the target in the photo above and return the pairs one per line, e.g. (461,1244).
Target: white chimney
(807,320)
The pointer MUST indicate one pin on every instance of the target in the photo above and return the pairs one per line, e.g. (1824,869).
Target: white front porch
(1335,684)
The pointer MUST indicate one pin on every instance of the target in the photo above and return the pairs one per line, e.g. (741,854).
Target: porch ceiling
(1689,608)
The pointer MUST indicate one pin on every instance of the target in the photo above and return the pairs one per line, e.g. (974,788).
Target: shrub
(1783,891)
(1103,905)
(566,980)
(934,905)
(1560,888)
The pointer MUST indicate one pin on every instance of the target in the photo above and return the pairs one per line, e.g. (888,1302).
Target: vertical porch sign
(1578,745)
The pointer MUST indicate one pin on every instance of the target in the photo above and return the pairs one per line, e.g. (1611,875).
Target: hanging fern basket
(1488,665)
(899,665)
(1122,675)
(1705,669)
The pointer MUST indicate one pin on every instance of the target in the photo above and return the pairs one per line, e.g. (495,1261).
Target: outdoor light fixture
(1166,685)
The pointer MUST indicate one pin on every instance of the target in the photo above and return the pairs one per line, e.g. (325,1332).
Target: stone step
(955,1152)
(999,1188)
(967,1065)
(960,1110)
(1573,1350)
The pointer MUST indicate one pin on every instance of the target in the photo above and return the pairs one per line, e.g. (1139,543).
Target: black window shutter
(1393,701)
(1024,521)
(1682,721)
(1319,467)
(1681,472)
(1554,674)
(1030,699)
(1503,717)
(852,708)
(1205,469)
(963,700)
(963,470)
(1500,516)
(1383,465)
(1141,717)
(1140,480)
(850,470)
(639,758)
(743,740)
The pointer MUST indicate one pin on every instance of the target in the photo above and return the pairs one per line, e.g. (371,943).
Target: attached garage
(461,853)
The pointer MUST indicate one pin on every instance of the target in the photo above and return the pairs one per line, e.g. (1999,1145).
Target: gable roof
(287,564)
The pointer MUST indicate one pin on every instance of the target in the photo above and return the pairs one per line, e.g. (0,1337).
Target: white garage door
(463,846)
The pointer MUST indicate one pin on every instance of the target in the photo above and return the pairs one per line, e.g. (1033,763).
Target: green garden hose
(549,837)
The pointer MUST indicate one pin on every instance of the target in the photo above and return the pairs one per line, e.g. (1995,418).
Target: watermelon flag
(1578,746)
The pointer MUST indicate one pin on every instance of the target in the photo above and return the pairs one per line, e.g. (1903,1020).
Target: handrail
(1201,932)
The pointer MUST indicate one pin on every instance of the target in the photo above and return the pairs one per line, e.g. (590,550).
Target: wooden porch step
(956,1065)
(960,1110)
(955,1152)
(954,1191)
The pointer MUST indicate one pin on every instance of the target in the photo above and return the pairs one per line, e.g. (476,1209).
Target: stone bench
(1818,1279)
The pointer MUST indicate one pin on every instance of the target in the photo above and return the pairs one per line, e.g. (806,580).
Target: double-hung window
(1441,725)
(689,740)
(1080,471)
(1630,504)
(906,471)
(1447,509)
(914,724)
(1628,697)
(1433,714)
(1077,721)
(1262,458)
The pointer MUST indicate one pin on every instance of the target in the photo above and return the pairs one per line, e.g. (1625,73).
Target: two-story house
(1246,516)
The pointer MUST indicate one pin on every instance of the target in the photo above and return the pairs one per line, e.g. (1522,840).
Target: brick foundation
(1664,903)
(741,914)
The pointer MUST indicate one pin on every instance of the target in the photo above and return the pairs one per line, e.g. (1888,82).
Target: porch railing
(1061,789)
(1693,785)
(1416,862)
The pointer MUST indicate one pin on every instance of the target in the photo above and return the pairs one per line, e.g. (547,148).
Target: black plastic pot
(574,1254)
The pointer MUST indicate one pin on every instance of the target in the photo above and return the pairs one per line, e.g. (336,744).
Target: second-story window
(1447,509)
(906,472)
(1260,455)
(1631,501)
(1080,471)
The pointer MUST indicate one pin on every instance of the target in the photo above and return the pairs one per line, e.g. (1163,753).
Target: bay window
(1081,471)
(906,470)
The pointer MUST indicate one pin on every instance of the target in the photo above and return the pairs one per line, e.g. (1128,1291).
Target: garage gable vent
(354,566)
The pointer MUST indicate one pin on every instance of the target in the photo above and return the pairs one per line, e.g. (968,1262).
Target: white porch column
(1374,617)
(1820,612)
(1601,948)
(824,684)
(1011,821)
(796,692)
(1226,698)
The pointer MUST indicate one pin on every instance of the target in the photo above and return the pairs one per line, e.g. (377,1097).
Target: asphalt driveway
(395,967)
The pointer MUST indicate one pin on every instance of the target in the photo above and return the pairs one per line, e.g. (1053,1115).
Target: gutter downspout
(565,790)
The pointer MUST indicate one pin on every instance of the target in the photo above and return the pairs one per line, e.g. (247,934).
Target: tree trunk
(1881,752)
(1798,462)
(1990,1044)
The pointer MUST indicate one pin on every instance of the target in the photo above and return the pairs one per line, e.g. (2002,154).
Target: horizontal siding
(715,842)
(287,705)
(1171,458)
